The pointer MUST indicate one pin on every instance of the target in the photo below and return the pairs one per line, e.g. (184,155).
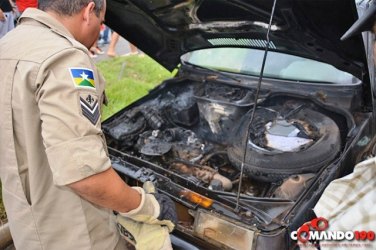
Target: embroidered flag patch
(90,107)
(82,77)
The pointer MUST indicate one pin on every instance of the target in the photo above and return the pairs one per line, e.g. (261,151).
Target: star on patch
(90,107)
(82,78)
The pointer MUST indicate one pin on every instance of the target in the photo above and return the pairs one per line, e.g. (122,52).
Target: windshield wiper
(213,70)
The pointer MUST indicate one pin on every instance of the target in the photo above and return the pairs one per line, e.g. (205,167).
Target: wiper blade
(214,71)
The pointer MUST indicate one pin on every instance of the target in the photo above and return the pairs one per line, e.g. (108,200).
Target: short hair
(69,7)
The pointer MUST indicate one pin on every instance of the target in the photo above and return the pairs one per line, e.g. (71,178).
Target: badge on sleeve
(90,107)
(82,78)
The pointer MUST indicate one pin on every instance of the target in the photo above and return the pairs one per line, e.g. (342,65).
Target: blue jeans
(8,24)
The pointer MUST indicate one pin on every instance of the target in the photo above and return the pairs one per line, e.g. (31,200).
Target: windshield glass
(278,65)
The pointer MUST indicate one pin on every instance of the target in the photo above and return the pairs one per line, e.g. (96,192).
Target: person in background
(348,203)
(111,52)
(58,186)
(22,5)
(6,17)
(134,51)
(95,50)
(104,37)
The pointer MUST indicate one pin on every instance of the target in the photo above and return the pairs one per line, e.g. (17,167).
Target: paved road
(122,47)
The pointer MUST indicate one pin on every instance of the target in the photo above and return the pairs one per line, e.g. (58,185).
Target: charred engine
(199,131)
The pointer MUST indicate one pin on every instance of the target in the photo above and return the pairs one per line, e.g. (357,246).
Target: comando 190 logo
(315,230)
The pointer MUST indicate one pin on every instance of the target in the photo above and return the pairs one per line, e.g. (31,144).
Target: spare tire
(267,161)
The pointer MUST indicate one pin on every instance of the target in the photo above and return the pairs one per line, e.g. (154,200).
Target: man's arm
(2,16)
(107,189)
(76,151)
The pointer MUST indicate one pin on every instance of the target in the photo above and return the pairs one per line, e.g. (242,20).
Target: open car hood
(166,29)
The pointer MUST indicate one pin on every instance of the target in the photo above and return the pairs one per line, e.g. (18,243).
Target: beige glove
(144,236)
(150,211)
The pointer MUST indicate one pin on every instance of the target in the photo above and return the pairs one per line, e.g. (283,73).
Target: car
(267,107)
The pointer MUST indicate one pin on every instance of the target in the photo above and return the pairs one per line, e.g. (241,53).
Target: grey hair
(69,7)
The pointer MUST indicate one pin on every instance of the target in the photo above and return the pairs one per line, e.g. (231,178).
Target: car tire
(274,165)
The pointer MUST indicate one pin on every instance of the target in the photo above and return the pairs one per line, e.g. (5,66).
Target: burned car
(268,106)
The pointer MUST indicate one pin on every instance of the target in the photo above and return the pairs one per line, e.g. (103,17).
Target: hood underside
(166,29)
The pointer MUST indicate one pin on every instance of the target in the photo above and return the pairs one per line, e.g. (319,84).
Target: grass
(3,215)
(127,79)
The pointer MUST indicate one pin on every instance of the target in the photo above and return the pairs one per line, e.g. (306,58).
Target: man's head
(82,18)
(69,7)
(365,23)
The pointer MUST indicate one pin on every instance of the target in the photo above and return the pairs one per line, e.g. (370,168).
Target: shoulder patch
(82,78)
(90,107)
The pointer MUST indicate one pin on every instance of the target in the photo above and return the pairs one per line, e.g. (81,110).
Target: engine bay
(202,132)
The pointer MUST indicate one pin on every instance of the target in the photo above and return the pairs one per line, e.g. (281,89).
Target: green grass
(3,215)
(127,79)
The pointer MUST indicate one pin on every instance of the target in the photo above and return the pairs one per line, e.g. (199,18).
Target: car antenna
(255,105)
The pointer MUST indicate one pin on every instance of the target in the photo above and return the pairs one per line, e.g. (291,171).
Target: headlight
(221,232)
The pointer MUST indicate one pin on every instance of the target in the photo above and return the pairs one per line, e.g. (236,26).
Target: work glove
(155,208)
(144,236)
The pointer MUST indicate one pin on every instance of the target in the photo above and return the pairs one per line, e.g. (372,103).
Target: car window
(278,65)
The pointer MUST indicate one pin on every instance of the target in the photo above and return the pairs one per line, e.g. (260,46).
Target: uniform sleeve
(69,96)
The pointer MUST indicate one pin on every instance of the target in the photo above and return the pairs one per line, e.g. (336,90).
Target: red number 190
(364,235)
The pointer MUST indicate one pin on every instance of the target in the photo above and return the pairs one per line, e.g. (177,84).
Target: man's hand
(154,208)
(144,236)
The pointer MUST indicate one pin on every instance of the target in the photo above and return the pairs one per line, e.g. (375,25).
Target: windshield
(278,65)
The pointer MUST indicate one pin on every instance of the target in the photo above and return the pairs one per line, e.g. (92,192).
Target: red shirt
(23,4)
